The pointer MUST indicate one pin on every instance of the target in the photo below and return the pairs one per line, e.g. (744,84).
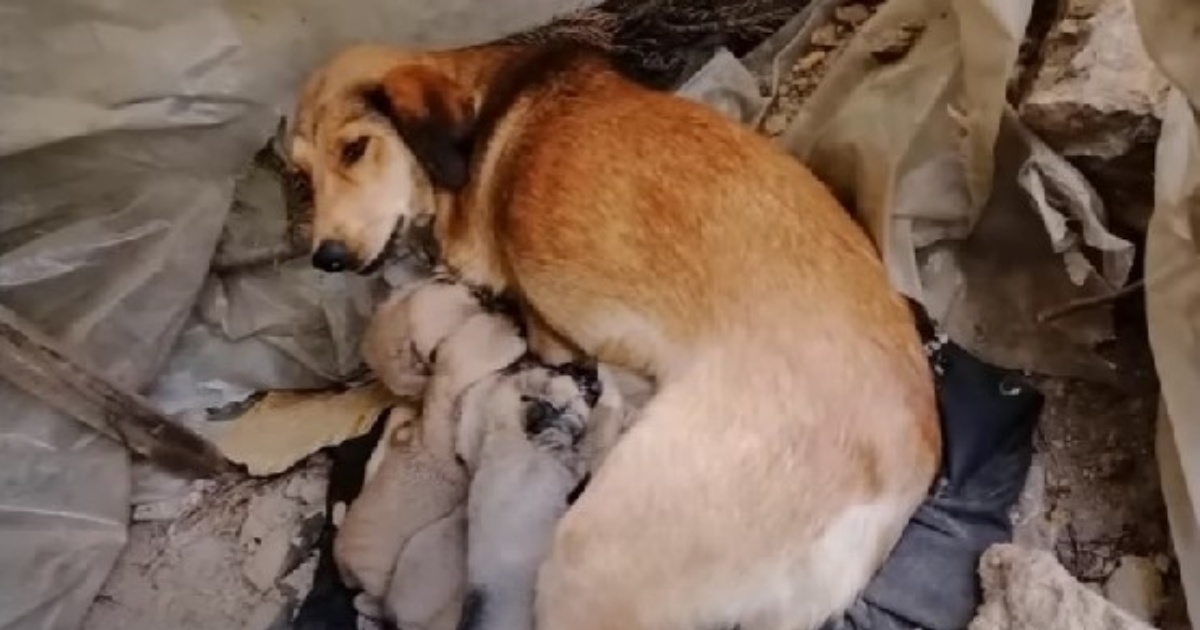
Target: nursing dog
(794,427)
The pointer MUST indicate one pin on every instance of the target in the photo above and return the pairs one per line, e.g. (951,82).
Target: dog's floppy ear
(434,117)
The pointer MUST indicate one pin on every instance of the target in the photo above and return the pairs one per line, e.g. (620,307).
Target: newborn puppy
(401,541)
(406,329)
(410,491)
(519,438)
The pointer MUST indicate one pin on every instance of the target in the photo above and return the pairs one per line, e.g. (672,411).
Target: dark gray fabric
(988,416)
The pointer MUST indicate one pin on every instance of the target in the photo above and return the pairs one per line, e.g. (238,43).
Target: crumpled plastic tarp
(124,128)
(924,145)
(1170,31)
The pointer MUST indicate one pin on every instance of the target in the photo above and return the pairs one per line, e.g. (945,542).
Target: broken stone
(1097,100)
(296,583)
(268,615)
(1070,28)
(810,61)
(775,124)
(1137,587)
(826,36)
(1026,589)
(892,45)
(265,514)
(852,14)
(269,561)
(309,489)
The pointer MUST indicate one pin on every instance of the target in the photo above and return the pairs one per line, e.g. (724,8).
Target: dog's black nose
(332,256)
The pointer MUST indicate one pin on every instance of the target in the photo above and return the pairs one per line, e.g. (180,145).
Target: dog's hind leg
(700,519)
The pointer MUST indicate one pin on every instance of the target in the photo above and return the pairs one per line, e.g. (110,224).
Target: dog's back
(794,431)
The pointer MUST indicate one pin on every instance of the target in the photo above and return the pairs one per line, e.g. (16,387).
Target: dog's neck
(464,216)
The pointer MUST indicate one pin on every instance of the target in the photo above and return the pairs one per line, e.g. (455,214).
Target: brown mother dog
(794,430)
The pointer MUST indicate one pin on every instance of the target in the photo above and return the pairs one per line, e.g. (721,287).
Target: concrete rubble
(1097,99)
(1137,587)
(241,558)
(1027,589)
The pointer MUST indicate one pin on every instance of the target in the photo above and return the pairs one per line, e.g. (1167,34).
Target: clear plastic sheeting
(124,126)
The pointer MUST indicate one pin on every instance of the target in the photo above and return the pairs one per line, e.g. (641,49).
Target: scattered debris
(1093,494)
(218,566)
(274,529)
(825,44)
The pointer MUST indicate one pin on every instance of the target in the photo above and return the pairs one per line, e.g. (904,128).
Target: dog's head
(379,134)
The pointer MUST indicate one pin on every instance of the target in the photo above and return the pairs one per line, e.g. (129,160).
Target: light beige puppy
(432,343)
(413,498)
(407,327)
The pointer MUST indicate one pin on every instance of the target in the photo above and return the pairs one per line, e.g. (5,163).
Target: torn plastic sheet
(123,129)
(919,139)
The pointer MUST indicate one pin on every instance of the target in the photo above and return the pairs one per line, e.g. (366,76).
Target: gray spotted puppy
(520,439)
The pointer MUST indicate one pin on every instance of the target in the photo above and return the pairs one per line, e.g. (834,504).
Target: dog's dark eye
(353,151)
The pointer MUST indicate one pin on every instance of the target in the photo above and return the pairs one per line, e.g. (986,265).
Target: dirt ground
(1093,496)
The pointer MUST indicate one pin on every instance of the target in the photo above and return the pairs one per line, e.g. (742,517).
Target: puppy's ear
(433,115)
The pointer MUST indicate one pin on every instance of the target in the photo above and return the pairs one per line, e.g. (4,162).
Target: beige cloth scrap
(285,427)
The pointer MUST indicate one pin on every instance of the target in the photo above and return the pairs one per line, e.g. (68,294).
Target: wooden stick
(35,363)
(1082,304)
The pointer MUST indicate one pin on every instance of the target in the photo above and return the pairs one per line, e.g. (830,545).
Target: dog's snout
(332,256)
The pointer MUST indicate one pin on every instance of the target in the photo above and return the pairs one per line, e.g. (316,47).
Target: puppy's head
(401,341)
(379,133)
(556,401)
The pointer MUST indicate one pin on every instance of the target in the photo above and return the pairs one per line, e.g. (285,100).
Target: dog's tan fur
(794,430)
